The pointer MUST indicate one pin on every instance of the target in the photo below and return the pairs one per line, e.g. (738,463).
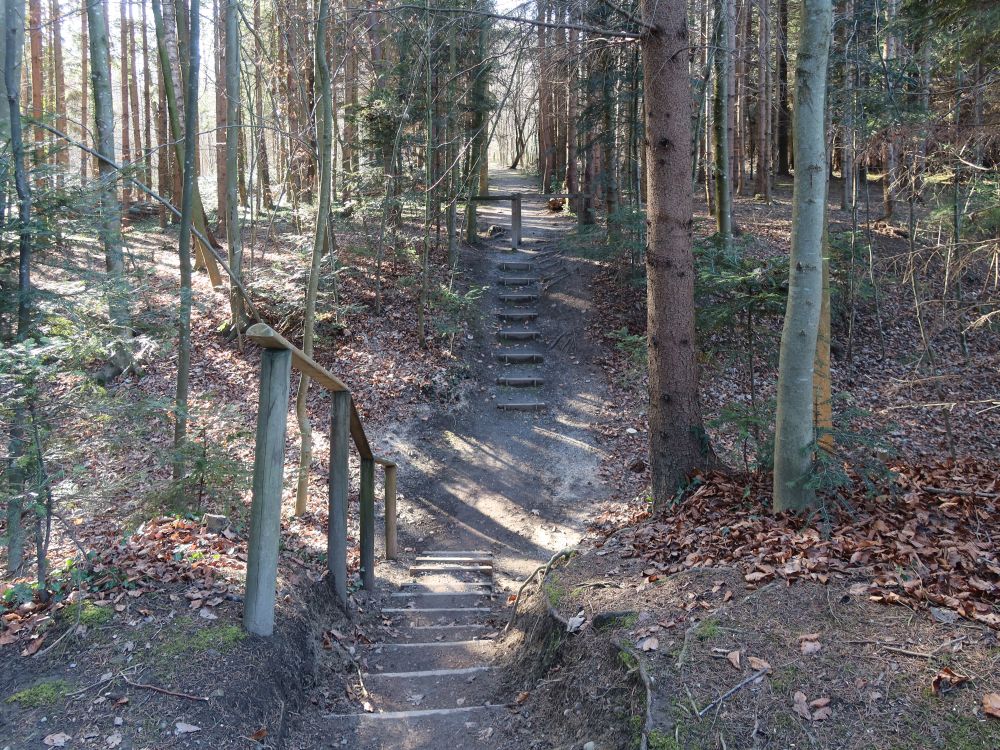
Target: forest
(556,374)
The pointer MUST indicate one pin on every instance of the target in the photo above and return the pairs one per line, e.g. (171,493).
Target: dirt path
(490,489)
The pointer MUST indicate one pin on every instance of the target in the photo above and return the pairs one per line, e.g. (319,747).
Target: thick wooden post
(265,512)
(515,221)
(368,523)
(390,513)
(452,235)
(336,539)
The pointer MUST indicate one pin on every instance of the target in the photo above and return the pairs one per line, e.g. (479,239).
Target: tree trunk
(85,136)
(324,124)
(37,92)
(221,113)
(783,112)
(234,238)
(123,93)
(678,443)
(13,33)
(133,93)
(59,81)
(187,214)
(720,117)
(109,226)
(794,425)
(762,186)
(572,178)
(147,100)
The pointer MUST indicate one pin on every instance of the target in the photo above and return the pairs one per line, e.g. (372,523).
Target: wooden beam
(265,509)
(515,221)
(367,523)
(487,198)
(265,336)
(336,538)
(390,512)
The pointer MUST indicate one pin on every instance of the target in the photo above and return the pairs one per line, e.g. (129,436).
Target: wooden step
(521,382)
(521,405)
(450,557)
(460,552)
(441,567)
(512,357)
(517,334)
(406,617)
(516,265)
(402,601)
(445,632)
(517,314)
(461,728)
(411,657)
(517,280)
(518,297)
(432,689)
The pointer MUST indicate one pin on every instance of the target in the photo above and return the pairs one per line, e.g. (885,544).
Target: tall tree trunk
(762,186)
(794,427)
(573,107)
(263,172)
(221,112)
(723,191)
(783,111)
(109,226)
(891,52)
(609,177)
(37,92)
(13,47)
(123,91)
(147,100)
(324,139)
(85,124)
(678,443)
(234,239)
(59,81)
(187,215)
(133,94)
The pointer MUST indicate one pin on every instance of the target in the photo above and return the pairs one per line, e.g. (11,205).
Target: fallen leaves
(734,659)
(816,710)
(57,739)
(946,680)
(809,644)
(911,545)
(991,705)
(184,728)
(649,643)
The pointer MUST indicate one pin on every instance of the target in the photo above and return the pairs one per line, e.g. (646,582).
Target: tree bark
(59,81)
(678,443)
(324,139)
(783,111)
(37,91)
(762,186)
(794,429)
(721,130)
(187,214)
(234,238)
(126,158)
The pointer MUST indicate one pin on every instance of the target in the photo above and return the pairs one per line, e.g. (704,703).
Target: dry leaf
(522,697)
(822,714)
(183,728)
(734,659)
(991,705)
(800,706)
(810,647)
(758,664)
(114,739)
(947,679)
(259,734)
(649,643)
(59,739)
(33,646)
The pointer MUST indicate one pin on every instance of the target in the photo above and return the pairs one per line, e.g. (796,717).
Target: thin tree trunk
(221,113)
(234,238)
(794,424)
(723,192)
(147,99)
(59,80)
(572,93)
(37,92)
(762,186)
(133,93)
(84,92)
(123,92)
(678,443)
(187,212)
(783,111)
(13,33)
(109,226)
(324,124)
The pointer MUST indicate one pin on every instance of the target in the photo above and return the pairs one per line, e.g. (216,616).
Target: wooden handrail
(265,336)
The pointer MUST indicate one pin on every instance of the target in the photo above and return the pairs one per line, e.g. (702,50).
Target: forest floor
(683,605)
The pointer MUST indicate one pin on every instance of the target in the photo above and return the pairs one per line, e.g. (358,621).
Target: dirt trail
(490,489)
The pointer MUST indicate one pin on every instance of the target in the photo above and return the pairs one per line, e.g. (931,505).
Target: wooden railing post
(515,221)
(265,512)
(367,502)
(390,512)
(336,539)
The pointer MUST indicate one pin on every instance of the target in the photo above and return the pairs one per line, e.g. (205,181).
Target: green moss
(628,660)
(90,614)
(708,629)
(554,594)
(221,638)
(45,693)
(969,733)
(658,740)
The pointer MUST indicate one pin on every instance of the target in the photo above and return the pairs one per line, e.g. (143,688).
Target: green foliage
(707,629)
(454,309)
(633,345)
(46,693)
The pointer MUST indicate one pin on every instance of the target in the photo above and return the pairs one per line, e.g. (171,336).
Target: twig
(156,689)
(733,690)
(544,570)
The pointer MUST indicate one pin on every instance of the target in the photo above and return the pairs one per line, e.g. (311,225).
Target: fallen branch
(544,570)
(733,690)
(156,689)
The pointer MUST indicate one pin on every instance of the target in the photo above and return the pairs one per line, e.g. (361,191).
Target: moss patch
(90,614)
(45,693)
(221,638)
(708,630)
